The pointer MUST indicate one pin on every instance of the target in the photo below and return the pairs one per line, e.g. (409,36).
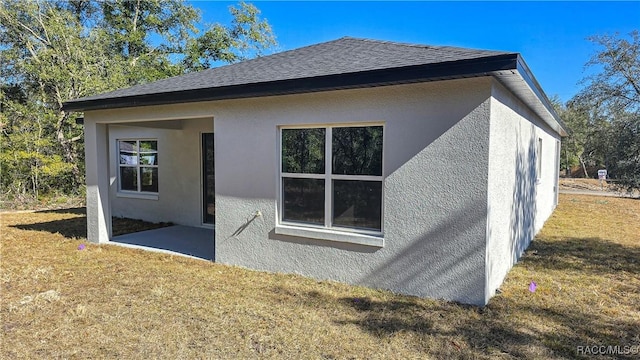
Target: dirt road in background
(593,187)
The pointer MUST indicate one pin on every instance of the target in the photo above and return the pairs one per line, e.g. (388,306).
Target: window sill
(137,196)
(331,235)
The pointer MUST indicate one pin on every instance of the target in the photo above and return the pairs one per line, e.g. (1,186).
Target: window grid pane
(354,155)
(147,159)
(129,178)
(357,150)
(303,151)
(148,179)
(138,163)
(303,200)
(357,204)
(127,158)
(128,146)
(148,146)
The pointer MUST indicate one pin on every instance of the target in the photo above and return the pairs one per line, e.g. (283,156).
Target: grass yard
(115,302)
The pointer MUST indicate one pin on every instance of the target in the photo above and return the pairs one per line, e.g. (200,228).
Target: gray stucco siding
(519,199)
(435,167)
(179,198)
(461,198)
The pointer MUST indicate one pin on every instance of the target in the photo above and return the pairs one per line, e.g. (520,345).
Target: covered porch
(189,241)
(156,169)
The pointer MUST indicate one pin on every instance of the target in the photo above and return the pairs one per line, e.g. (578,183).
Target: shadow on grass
(76,228)
(74,211)
(441,329)
(586,329)
(492,330)
(385,318)
(511,327)
(589,255)
(73,228)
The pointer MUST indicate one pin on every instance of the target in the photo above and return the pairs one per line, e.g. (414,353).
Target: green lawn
(114,302)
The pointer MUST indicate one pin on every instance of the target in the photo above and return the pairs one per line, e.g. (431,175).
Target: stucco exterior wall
(96,156)
(435,164)
(460,197)
(520,199)
(179,173)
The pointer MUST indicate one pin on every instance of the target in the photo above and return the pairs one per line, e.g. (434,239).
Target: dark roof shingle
(346,63)
(343,56)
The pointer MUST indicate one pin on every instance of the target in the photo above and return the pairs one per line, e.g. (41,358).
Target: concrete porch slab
(176,240)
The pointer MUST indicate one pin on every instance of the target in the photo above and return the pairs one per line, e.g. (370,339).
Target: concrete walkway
(181,240)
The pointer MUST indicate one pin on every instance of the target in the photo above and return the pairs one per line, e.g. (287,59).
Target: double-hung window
(138,166)
(331,177)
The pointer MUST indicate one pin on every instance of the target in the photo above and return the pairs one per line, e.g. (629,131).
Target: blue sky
(551,36)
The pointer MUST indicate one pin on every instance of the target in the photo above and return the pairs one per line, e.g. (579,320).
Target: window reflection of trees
(303,151)
(357,203)
(357,150)
(303,200)
(355,179)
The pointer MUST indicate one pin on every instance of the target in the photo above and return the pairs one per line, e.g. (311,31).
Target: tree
(247,37)
(611,104)
(48,58)
(54,51)
(575,117)
(130,24)
(623,149)
(616,87)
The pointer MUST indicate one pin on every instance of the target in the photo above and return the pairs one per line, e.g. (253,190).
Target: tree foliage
(615,89)
(605,116)
(54,51)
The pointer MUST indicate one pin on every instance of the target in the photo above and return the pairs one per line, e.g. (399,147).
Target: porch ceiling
(164,124)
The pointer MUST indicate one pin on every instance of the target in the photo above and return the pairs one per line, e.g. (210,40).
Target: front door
(208,180)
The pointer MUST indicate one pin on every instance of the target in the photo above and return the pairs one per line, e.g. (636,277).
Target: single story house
(426,170)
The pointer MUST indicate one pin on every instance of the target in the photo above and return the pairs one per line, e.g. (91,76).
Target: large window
(331,177)
(138,166)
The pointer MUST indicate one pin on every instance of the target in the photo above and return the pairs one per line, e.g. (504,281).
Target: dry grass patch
(109,301)
(584,184)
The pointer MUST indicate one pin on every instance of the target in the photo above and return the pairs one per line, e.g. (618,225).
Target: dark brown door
(208,180)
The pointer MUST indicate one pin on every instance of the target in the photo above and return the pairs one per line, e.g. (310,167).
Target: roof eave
(509,69)
(402,75)
(524,85)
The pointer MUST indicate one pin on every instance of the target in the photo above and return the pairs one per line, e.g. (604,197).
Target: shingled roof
(340,64)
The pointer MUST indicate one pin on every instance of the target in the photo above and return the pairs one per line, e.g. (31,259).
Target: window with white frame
(138,165)
(331,177)
(539,160)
